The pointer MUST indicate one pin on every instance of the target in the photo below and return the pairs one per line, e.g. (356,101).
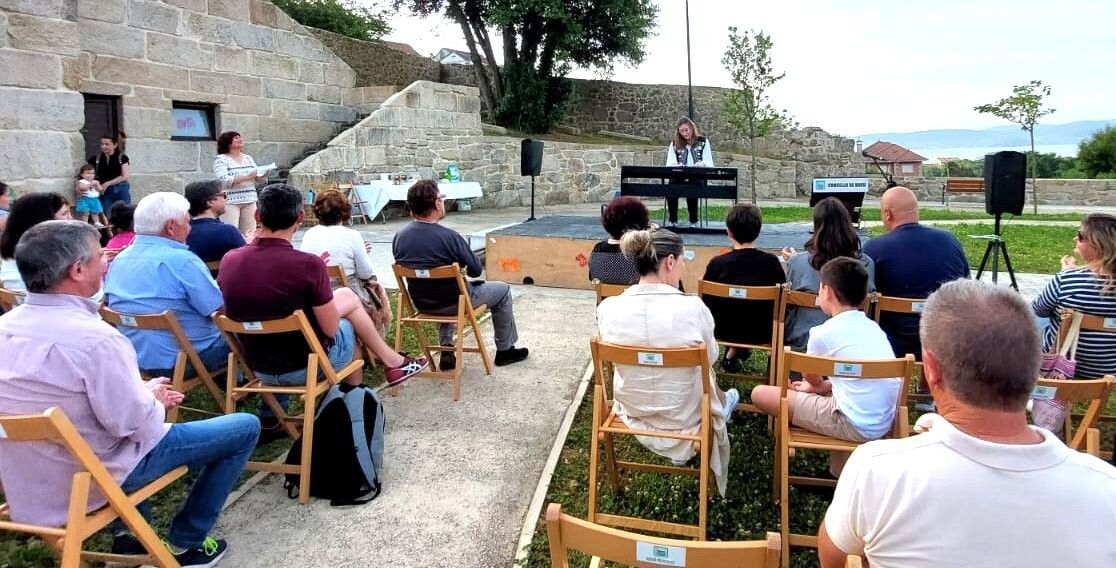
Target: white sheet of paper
(262,170)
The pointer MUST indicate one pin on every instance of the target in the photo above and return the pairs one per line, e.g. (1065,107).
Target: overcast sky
(881,66)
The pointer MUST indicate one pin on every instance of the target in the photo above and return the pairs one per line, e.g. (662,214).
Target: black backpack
(348,450)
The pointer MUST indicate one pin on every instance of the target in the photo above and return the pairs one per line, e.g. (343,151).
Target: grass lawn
(792,213)
(19,551)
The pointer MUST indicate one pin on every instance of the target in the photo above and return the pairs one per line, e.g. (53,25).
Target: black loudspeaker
(1005,179)
(530,157)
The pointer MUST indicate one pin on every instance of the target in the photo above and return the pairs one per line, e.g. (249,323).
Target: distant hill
(1000,136)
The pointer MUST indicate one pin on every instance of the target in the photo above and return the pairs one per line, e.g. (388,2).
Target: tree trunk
(453,10)
(1034,179)
(486,45)
(752,153)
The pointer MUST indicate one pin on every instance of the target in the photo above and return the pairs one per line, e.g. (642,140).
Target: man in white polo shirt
(850,409)
(980,487)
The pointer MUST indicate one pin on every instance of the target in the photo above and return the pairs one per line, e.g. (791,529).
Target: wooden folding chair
(608,290)
(317,360)
(800,299)
(52,426)
(789,438)
(167,322)
(908,306)
(10,299)
(1094,392)
(359,206)
(1091,323)
(338,279)
(630,549)
(773,294)
(213,266)
(467,318)
(606,425)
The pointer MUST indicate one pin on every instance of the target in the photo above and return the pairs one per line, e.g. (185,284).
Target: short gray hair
(46,252)
(155,210)
(985,339)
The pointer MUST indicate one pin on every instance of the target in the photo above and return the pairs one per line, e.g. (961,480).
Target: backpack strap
(354,401)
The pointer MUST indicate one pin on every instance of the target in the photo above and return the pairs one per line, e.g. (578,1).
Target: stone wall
(272,80)
(378,64)
(1095,192)
(423,128)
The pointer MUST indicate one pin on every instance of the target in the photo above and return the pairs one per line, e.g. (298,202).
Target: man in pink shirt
(55,351)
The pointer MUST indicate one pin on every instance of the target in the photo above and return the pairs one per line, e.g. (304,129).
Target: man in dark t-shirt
(912,261)
(269,279)
(424,244)
(210,238)
(739,321)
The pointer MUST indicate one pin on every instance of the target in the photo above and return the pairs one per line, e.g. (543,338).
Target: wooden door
(101,118)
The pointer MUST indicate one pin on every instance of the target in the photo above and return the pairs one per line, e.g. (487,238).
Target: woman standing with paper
(238,171)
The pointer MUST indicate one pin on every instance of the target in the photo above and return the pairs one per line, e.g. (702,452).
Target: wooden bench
(961,185)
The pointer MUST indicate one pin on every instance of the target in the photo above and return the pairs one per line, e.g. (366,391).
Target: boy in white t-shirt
(850,409)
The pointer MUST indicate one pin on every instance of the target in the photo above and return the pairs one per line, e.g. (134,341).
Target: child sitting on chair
(846,408)
(87,192)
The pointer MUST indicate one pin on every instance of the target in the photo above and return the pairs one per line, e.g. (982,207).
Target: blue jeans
(119,192)
(216,449)
(340,354)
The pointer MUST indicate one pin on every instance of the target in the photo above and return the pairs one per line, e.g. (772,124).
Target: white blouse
(345,246)
(225,169)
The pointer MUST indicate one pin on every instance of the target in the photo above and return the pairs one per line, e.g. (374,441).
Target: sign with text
(841,185)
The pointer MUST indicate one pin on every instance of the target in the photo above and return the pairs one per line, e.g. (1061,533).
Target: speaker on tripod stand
(1005,178)
(530,164)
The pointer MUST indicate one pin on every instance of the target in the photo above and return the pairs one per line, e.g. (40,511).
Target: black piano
(678,181)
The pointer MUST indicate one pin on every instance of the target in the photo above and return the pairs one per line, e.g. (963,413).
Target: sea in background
(975,152)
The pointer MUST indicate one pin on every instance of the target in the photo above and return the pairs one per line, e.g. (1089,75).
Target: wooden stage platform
(554,251)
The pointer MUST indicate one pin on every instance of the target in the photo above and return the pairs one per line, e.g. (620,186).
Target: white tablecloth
(378,193)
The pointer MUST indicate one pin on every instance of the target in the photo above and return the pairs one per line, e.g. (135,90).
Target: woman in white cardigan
(654,313)
(238,172)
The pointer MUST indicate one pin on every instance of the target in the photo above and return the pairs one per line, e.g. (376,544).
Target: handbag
(1050,413)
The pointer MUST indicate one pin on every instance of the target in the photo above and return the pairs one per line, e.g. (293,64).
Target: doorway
(102,117)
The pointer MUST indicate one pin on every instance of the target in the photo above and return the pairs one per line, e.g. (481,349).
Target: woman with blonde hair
(654,313)
(1090,289)
(687,148)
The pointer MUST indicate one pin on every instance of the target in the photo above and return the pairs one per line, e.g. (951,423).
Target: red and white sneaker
(410,367)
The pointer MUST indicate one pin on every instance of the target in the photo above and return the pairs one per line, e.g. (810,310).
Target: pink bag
(1050,413)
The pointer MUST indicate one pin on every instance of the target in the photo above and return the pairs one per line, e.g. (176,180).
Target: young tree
(542,40)
(748,108)
(1024,107)
(345,17)
(1097,155)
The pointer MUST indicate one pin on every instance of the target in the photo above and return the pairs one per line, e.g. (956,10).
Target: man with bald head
(912,261)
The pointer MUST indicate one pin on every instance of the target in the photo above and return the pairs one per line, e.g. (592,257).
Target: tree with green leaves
(748,108)
(1024,107)
(541,41)
(1097,155)
(346,17)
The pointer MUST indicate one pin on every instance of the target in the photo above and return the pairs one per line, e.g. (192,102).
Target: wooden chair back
(656,357)
(631,549)
(608,290)
(404,275)
(773,294)
(10,299)
(337,276)
(213,266)
(1093,392)
(294,323)
(1089,322)
(54,426)
(897,305)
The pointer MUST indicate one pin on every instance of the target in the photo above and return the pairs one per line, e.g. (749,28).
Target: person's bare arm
(329,320)
(125,171)
(829,555)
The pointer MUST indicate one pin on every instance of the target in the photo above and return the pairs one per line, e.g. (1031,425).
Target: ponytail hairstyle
(648,248)
(1099,230)
(679,143)
(834,235)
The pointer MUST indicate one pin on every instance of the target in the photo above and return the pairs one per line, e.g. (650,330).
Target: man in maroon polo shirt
(269,279)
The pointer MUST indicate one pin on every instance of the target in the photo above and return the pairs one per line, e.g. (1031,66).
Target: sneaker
(732,397)
(127,544)
(98,225)
(447,361)
(204,556)
(410,367)
(511,355)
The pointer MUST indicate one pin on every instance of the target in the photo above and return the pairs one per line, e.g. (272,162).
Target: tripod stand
(996,245)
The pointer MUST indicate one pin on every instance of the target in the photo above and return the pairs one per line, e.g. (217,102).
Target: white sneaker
(732,397)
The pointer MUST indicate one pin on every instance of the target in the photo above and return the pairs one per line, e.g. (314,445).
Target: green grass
(803,213)
(1034,249)
(19,551)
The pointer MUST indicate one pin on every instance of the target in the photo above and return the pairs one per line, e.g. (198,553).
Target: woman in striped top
(237,171)
(1090,289)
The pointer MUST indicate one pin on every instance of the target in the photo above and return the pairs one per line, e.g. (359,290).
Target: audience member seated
(210,237)
(268,279)
(833,236)
(912,261)
(348,250)
(1090,289)
(850,409)
(744,265)
(55,351)
(606,263)
(980,487)
(654,313)
(26,212)
(158,273)
(424,243)
(122,220)
(5,204)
